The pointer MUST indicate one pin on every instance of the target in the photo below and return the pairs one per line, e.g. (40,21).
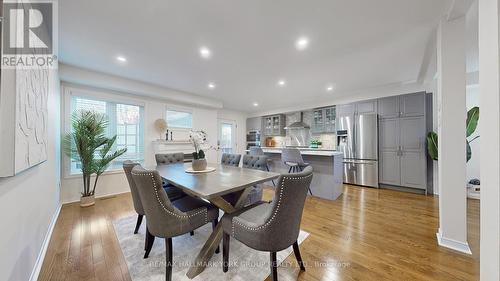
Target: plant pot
(199,164)
(87,201)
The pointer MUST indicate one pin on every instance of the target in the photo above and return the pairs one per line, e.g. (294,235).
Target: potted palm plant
(470,128)
(87,143)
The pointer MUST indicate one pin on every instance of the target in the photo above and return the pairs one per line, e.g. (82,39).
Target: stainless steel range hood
(298,125)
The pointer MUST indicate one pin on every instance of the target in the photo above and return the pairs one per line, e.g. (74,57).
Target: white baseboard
(97,197)
(45,246)
(453,244)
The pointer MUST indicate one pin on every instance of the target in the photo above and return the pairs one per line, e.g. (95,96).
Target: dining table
(212,186)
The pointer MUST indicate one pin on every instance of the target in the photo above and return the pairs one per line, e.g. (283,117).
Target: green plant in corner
(470,128)
(88,144)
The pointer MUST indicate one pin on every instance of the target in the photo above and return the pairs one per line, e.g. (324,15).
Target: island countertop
(305,151)
(327,169)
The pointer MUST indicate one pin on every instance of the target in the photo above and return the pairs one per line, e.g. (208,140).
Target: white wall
(29,203)
(154,108)
(489,78)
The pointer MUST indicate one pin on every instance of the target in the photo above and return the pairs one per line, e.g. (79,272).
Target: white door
(227,137)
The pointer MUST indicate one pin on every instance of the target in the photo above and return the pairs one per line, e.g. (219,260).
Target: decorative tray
(207,170)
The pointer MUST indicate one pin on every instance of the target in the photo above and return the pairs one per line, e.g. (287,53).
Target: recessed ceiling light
(121,59)
(329,88)
(205,52)
(281,83)
(255,104)
(211,85)
(302,43)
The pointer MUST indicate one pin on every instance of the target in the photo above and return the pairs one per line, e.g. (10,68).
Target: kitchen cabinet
(402,106)
(254,124)
(346,109)
(388,107)
(274,125)
(362,107)
(366,107)
(402,152)
(323,120)
(412,104)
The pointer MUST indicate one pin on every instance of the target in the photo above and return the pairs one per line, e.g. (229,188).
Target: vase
(199,164)
(87,201)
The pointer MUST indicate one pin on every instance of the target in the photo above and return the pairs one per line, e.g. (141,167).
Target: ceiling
(354,44)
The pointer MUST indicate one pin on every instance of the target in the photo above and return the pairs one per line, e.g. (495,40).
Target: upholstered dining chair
(127,168)
(233,160)
(173,192)
(230,159)
(256,162)
(270,227)
(257,151)
(167,219)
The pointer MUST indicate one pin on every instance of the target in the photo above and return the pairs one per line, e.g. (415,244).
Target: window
(125,121)
(179,119)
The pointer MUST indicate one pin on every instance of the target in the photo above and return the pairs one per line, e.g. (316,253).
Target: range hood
(298,125)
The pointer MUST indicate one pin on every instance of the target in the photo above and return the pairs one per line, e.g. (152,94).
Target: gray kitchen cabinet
(413,170)
(346,109)
(366,107)
(318,121)
(402,158)
(274,125)
(254,124)
(402,106)
(389,162)
(323,120)
(330,119)
(388,107)
(390,168)
(351,109)
(412,105)
(411,138)
(413,161)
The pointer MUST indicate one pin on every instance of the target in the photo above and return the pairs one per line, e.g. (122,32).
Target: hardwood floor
(367,234)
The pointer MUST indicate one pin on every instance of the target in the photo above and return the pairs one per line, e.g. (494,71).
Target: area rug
(245,263)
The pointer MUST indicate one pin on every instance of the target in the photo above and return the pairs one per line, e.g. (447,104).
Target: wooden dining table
(212,186)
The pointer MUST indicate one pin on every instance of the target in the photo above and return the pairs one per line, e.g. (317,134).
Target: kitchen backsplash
(328,140)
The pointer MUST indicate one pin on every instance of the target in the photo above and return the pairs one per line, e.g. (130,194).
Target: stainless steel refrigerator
(357,138)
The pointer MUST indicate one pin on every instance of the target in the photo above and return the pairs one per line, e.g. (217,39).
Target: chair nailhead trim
(275,211)
(163,206)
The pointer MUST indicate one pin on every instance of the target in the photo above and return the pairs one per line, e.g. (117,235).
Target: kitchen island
(327,167)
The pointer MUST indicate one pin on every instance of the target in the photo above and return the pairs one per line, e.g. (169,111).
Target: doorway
(226,141)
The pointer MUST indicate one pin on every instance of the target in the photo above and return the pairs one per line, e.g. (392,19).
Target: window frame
(179,109)
(69,91)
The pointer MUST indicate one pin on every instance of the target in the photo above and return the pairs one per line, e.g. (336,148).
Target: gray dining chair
(167,219)
(256,162)
(173,192)
(270,227)
(127,168)
(256,151)
(230,159)
(292,158)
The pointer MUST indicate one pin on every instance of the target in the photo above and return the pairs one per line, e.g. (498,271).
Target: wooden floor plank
(367,234)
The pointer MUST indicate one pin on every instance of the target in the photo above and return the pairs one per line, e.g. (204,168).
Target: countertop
(305,151)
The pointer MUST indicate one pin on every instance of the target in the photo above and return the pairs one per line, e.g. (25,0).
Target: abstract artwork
(31,117)
(24,114)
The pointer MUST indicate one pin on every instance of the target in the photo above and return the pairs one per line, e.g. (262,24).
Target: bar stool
(292,158)
(257,151)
